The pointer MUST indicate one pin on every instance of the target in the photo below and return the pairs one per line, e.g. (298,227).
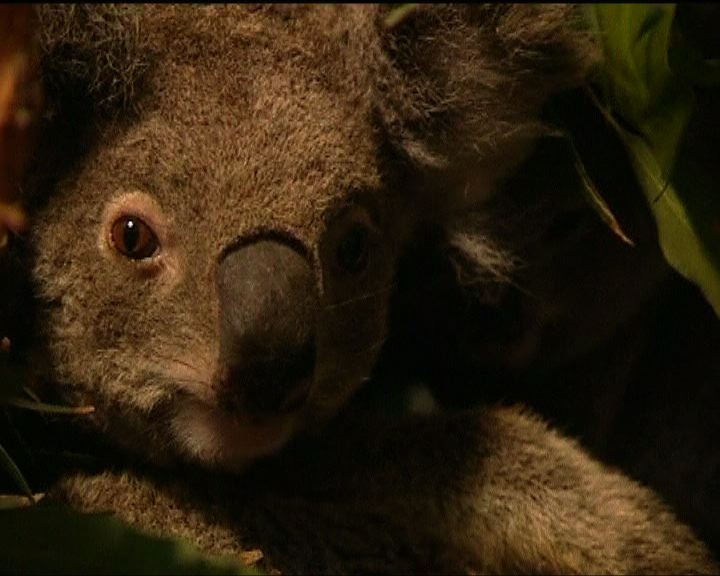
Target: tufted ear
(468,80)
(93,60)
(93,57)
(460,98)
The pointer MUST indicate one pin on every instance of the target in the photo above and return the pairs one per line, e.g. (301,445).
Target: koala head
(215,257)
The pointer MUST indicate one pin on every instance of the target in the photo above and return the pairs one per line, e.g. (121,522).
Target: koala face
(216,269)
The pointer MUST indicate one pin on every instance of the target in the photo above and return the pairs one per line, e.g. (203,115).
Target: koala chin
(220,204)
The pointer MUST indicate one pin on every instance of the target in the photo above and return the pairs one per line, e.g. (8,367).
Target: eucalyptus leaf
(592,194)
(650,105)
(7,463)
(639,85)
(54,539)
(681,243)
(398,14)
(9,501)
(38,406)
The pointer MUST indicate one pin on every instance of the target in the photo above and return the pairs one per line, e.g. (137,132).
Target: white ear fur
(467,81)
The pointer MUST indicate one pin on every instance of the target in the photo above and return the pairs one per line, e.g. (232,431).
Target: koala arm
(483,491)
(505,493)
(511,495)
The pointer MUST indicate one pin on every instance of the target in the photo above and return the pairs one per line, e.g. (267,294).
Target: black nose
(268,305)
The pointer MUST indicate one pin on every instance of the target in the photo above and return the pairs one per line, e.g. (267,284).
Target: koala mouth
(268,386)
(230,440)
(236,413)
(238,422)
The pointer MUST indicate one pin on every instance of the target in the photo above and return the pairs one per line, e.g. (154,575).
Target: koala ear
(93,60)
(470,79)
(93,56)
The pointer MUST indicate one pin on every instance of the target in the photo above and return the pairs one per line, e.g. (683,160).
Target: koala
(292,232)
(220,206)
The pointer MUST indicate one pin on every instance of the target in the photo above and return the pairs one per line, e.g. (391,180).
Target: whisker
(379,343)
(330,400)
(366,350)
(178,361)
(155,368)
(197,388)
(189,381)
(356,299)
(182,374)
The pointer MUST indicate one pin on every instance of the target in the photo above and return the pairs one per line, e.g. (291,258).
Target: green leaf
(55,539)
(37,406)
(9,501)
(398,14)
(593,196)
(650,106)
(639,85)
(14,472)
(680,240)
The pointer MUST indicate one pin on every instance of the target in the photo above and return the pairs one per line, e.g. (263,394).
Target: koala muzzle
(268,307)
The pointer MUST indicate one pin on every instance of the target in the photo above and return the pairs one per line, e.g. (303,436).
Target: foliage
(19,106)
(45,539)
(646,91)
(42,538)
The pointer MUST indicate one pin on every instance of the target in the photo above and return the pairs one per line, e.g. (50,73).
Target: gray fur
(224,125)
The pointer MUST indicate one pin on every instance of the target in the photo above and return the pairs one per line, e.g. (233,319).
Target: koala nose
(268,305)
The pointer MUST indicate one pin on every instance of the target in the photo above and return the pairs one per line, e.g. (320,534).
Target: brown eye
(353,252)
(133,238)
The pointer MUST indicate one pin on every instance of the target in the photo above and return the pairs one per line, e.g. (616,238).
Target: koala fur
(284,159)
(269,171)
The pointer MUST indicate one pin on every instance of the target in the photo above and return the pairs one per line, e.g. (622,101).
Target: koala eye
(133,238)
(353,251)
